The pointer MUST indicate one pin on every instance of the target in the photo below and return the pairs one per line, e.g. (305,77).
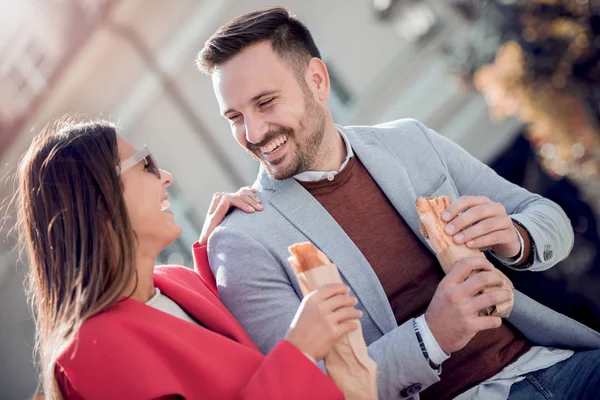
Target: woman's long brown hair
(75,227)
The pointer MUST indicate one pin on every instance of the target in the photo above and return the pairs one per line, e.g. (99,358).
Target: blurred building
(132,62)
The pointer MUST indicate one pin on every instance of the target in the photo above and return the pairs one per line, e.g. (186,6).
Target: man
(351,191)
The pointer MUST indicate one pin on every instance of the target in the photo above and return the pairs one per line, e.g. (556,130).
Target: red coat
(134,351)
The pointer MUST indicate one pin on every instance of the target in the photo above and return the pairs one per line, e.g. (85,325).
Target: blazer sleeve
(258,292)
(547,224)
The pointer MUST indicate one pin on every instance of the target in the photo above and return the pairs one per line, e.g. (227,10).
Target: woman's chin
(175,231)
(168,235)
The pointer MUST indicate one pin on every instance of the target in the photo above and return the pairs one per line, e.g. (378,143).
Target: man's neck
(333,151)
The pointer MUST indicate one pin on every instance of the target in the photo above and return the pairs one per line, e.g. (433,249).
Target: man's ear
(317,78)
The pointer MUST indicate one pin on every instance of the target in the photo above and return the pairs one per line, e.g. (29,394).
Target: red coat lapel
(187,289)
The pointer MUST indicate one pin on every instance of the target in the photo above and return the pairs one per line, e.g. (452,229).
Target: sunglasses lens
(153,167)
(150,166)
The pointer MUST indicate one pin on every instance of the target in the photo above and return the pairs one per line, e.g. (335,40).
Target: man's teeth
(165,204)
(274,144)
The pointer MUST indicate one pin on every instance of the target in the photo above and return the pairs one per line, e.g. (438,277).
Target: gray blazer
(248,252)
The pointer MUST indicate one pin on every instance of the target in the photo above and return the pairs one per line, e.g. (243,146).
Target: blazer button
(414,389)
(547,253)
(410,390)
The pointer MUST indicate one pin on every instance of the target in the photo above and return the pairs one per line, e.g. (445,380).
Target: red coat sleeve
(286,373)
(66,389)
(203,268)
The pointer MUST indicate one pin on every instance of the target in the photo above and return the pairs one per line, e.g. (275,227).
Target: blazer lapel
(389,174)
(308,216)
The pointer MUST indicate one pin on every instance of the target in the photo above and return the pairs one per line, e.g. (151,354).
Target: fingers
(337,302)
(328,291)
(345,314)
(220,211)
(462,204)
(248,191)
(461,271)
(490,299)
(216,213)
(492,239)
(243,203)
(482,280)
(347,327)
(504,309)
(215,202)
(245,199)
(473,215)
(482,228)
(253,201)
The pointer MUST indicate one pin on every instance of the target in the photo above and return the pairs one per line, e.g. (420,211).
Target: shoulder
(406,138)
(399,126)
(103,358)
(98,339)
(252,224)
(173,278)
(401,135)
(175,273)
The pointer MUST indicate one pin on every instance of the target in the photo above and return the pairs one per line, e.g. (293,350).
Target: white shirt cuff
(436,354)
(511,261)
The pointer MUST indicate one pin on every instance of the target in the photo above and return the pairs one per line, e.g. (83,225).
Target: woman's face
(146,200)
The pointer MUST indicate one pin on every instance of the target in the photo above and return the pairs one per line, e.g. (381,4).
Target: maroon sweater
(409,274)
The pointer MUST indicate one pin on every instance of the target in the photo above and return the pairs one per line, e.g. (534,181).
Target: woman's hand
(244,199)
(324,316)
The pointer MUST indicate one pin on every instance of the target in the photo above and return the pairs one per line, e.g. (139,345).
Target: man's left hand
(482,224)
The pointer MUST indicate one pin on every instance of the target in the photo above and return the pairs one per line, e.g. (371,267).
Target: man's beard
(306,147)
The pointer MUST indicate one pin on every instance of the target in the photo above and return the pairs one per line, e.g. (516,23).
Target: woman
(94,213)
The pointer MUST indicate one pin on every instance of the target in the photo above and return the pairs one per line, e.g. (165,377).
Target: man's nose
(256,129)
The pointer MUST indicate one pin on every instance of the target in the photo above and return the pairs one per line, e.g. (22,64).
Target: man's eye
(266,103)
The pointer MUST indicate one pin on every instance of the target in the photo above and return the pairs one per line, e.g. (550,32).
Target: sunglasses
(142,155)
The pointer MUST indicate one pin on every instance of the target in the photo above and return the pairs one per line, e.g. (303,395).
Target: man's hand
(453,314)
(482,224)
(244,199)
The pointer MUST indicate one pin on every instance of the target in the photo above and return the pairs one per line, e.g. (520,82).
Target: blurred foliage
(538,60)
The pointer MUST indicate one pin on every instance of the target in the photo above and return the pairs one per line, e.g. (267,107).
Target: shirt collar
(311,176)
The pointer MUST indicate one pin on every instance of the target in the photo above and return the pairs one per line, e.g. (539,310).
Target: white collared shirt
(311,176)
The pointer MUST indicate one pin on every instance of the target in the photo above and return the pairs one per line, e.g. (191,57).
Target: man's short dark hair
(289,37)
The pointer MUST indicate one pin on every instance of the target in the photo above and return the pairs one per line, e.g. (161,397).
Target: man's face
(273,114)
